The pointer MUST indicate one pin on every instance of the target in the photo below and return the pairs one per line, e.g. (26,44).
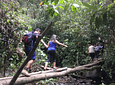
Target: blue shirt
(51,46)
(98,48)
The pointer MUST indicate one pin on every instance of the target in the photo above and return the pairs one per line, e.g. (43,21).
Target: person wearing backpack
(29,41)
(51,51)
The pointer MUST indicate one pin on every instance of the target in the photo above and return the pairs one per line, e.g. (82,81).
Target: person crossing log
(29,56)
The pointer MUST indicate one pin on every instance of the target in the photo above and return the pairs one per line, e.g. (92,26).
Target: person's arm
(44,43)
(60,43)
(101,46)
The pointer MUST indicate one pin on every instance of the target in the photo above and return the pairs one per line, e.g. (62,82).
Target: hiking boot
(30,71)
(24,72)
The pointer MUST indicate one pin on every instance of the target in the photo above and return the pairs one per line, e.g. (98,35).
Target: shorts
(27,50)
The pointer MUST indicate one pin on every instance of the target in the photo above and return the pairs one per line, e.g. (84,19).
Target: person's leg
(27,50)
(46,63)
(54,65)
(30,67)
(25,71)
(54,57)
(31,63)
(97,55)
(91,56)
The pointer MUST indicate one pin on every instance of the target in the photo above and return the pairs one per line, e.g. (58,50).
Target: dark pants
(51,56)
(97,54)
(92,56)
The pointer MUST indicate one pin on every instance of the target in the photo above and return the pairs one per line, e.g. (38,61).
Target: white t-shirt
(91,49)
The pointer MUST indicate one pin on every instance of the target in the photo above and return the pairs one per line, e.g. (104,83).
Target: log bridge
(41,75)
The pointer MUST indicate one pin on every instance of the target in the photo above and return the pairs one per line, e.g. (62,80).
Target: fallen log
(48,74)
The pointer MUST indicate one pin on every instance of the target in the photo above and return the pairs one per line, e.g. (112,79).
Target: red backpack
(27,38)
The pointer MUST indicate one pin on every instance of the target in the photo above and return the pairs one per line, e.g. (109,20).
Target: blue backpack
(27,38)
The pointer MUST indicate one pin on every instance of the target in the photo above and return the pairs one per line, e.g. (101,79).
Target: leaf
(55,14)
(61,7)
(61,2)
(73,9)
(76,7)
(89,6)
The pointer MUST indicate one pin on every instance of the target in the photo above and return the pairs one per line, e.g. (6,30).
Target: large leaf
(60,7)
(73,9)
(76,6)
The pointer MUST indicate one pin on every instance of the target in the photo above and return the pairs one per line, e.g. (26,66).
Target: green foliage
(75,22)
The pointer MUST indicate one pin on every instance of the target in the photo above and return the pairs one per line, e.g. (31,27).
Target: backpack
(27,38)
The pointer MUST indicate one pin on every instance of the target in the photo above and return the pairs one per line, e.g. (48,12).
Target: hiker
(51,54)
(97,50)
(28,47)
(91,50)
